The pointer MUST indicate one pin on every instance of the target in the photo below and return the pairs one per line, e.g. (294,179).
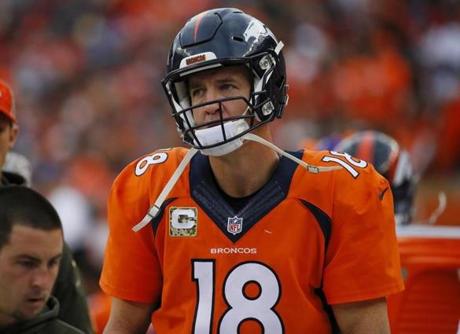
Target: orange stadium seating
(430,258)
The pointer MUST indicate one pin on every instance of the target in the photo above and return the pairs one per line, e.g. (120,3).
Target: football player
(390,160)
(394,163)
(235,235)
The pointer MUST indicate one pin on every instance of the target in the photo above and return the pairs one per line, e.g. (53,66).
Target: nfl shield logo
(234,225)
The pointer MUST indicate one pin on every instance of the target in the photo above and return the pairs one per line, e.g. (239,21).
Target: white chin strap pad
(214,135)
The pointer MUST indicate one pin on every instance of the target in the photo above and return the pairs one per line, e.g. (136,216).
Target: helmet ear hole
(238,39)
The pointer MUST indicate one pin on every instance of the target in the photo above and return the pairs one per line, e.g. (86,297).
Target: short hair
(24,206)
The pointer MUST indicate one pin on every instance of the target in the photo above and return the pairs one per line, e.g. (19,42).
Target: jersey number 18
(240,306)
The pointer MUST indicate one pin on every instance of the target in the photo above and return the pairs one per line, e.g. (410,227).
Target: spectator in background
(68,288)
(17,165)
(8,133)
(31,246)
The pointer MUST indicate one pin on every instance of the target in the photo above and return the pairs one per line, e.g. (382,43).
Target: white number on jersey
(241,307)
(146,162)
(348,164)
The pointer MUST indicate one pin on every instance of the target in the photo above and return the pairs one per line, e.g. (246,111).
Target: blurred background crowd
(87,75)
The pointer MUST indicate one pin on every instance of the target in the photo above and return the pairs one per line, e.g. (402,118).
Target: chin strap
(155,208)
(308,167)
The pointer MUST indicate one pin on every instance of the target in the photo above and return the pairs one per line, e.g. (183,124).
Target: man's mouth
(36,300)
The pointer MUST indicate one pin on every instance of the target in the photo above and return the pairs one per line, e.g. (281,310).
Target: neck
(244,171)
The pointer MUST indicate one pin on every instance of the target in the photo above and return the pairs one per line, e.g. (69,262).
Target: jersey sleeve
(131,269)
(362,258)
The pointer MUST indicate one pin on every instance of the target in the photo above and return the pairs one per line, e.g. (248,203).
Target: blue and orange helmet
(391,161)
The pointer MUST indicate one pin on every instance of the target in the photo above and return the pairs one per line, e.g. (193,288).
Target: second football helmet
(217,38)
(390,161)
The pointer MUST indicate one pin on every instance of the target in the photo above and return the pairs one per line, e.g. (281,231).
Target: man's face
(8,133)
(29,264)
(217,84)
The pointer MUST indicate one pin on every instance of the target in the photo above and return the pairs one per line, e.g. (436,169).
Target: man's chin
(30,310)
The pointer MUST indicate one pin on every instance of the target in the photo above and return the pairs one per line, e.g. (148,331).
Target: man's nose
(211,108)
(43,278)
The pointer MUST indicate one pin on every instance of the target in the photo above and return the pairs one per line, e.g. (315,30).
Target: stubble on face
(29,264)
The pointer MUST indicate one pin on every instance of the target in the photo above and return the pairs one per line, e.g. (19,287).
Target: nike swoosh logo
(383,194)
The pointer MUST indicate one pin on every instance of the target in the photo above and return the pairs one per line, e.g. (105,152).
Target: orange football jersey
(303,242)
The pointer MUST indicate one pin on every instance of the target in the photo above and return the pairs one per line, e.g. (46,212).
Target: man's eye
(227,87)
(196,92)
(54,263)
(27,264)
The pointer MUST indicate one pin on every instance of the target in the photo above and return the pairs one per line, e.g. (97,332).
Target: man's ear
(13,135)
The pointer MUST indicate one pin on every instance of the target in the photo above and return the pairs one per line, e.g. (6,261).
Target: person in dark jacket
(46,321)
(68,288)
(31,248)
